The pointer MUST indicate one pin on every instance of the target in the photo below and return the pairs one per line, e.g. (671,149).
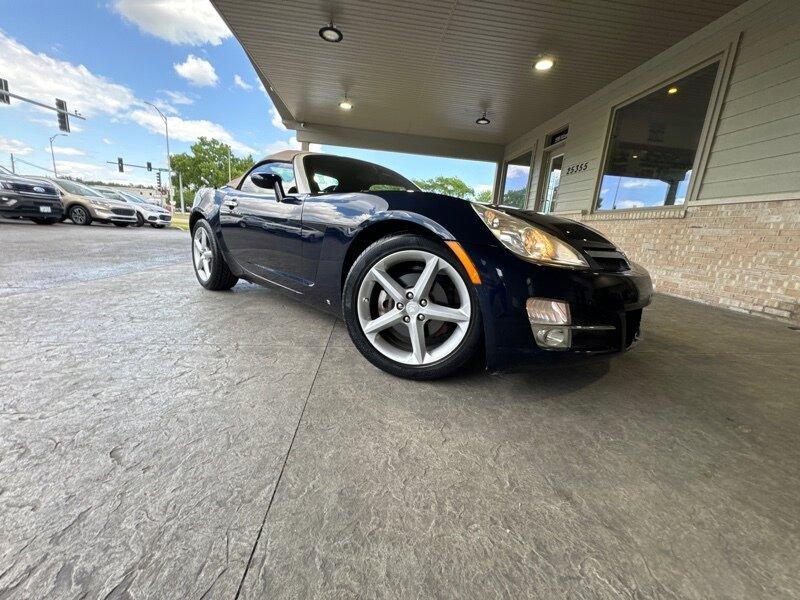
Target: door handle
(230,203)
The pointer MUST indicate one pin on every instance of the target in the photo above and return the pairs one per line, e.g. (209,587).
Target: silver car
(146,212)
(83,205)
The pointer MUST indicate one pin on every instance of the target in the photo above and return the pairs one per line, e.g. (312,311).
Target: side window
(325,181)
(283,169)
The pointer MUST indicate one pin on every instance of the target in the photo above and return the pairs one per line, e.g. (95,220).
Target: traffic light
(4,97)
(158,179)
(149,166)
(120,165)
(63,118)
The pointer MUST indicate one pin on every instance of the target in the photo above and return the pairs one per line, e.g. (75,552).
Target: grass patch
(180,221)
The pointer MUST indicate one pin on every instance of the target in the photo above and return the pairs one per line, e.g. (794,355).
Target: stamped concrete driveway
(161,441)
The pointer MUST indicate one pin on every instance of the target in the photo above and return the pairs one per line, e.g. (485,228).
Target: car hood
(577,234)
(25,184)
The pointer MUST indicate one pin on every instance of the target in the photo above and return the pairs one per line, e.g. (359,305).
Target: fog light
(550,320)
(543,311)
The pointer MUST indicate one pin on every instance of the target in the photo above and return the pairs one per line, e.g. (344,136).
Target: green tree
(514,198)
(450,186)
(485,196)
(206,165)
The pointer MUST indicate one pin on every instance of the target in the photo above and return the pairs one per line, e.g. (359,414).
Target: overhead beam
(397,142)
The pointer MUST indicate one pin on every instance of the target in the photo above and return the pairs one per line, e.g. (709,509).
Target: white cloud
(107,141)
(65,150)
(630,204)
(483,187)
(42,77)
(290,144)
(515,171)
(187,130)
(275,118)
(178,97)
(99,172)
(192,22)
(631,184)
(197,71)
(7,146)
(239,82)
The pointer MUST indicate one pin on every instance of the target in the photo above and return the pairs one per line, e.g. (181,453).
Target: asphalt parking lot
(159,440)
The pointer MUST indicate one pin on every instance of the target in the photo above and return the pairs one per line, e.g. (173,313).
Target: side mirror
(269,181)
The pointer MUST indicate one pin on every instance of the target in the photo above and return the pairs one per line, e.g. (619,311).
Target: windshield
(335,174)
(78,188)
(108,194)
(133,198)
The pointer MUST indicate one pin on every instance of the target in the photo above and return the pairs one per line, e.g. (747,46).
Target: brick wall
(743,256)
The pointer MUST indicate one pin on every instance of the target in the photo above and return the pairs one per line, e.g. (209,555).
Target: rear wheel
(410,308)
(209,264)
(80,215)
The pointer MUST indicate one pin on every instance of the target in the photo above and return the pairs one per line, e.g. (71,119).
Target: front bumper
(113,215)
(605,307)
(29,206)
(157,219)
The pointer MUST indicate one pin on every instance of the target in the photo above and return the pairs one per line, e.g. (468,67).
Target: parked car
(422,280)
(27,198)
(146,212)
(83,205)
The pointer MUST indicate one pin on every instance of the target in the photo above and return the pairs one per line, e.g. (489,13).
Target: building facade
(691,162)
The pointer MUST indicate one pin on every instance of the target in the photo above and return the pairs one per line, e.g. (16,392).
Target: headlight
(99,203)
(528,241)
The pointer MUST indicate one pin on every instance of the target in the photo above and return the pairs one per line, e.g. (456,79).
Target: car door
(262,234)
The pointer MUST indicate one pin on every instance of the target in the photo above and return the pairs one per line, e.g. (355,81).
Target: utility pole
(53,154)
(169,160)
(13,167)
(180,190)
(229,163)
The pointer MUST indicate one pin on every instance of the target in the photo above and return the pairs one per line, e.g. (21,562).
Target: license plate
(45,209)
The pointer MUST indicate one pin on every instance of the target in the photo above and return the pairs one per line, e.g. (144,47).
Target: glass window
(77,188)
(346,175)
(515,190)
(283,169)
(653,144)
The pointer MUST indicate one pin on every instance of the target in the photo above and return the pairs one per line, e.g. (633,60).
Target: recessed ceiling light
(544,64)
(635,156)
(672,90)
(482,120)
(346,104)
(329,33)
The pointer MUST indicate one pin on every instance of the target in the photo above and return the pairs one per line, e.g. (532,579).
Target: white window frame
(504,170)
(725,58)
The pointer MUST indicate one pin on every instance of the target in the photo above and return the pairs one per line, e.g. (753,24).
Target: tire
(214,273)
(155,226)
(139,220)
(44,221)
(411,343)
(79,215)
(121,224)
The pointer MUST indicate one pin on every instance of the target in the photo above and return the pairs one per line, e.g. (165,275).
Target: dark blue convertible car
(423,281)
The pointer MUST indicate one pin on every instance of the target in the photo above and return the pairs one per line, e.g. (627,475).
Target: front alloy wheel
(209,264)
(79,215)
(411,302)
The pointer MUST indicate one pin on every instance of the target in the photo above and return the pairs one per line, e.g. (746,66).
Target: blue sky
(106,58)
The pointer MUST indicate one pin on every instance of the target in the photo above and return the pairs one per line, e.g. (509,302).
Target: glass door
(553,163)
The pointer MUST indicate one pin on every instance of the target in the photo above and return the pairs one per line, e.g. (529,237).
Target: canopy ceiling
(419,72)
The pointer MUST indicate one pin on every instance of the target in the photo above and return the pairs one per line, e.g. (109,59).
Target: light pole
(169,161)
(53,154)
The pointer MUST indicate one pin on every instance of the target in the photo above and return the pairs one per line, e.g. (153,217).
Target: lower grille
(123,212)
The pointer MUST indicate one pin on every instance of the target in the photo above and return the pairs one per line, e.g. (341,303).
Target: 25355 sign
(577,168)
